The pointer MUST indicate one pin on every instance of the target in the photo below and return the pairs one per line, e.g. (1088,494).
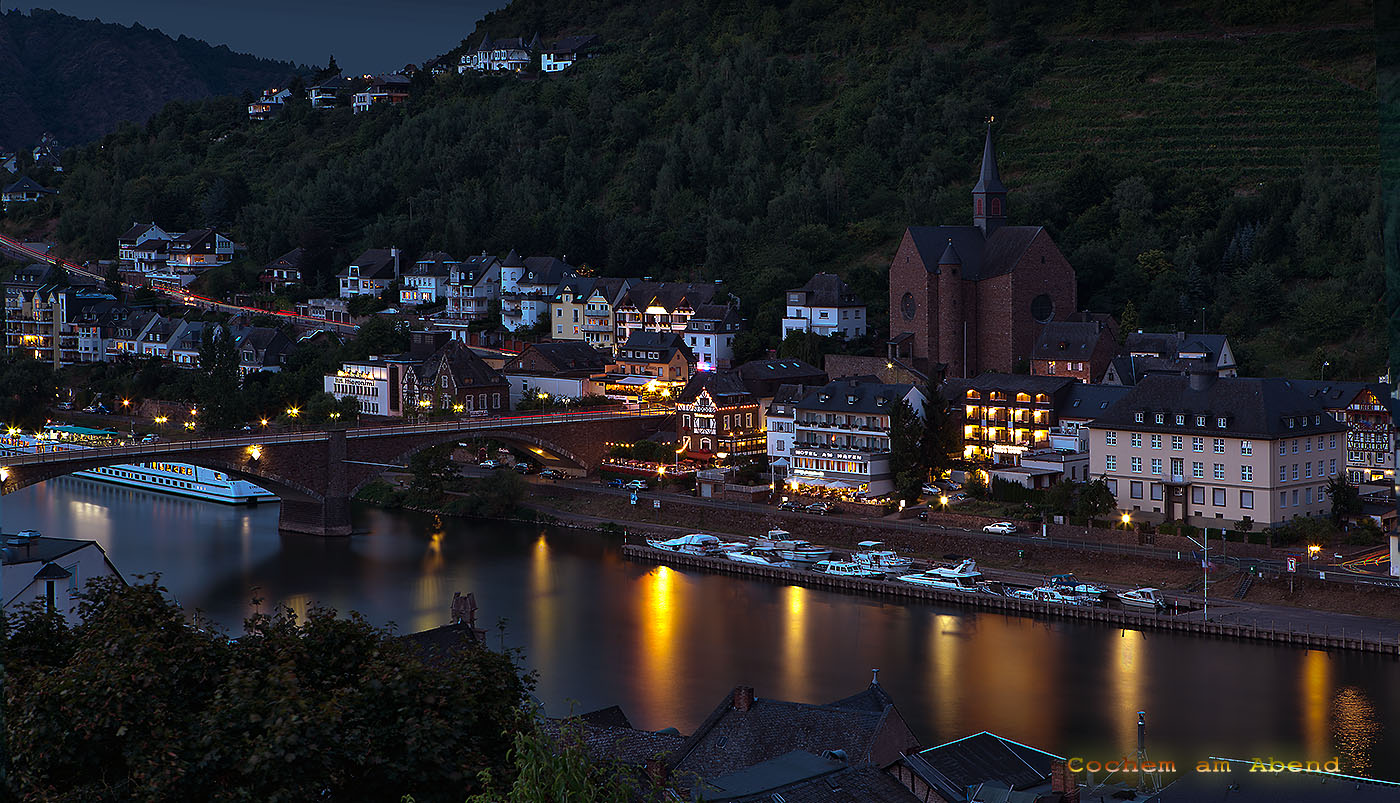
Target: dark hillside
(78,79)
(1215,169)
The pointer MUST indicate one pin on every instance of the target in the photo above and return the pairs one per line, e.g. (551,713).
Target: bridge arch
(250,470)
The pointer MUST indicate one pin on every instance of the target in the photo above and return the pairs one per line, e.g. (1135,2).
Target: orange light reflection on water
(1316,701)
(543,603)
(658,616)
(1128,694)
(796,669)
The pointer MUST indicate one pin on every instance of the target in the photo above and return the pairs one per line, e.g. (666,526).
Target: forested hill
(78,79)
(1217,165)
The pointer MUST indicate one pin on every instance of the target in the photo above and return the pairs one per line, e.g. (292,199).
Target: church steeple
(989,196)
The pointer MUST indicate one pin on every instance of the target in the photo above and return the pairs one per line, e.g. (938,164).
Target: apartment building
(1212,451)
(824,306)
(1006,415)
(841,435)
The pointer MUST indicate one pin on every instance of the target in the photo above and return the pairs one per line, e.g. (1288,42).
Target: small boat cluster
(870,560)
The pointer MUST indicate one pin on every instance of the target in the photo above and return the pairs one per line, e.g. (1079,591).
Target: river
(667,645)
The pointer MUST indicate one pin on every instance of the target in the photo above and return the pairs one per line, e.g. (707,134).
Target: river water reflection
(667,645)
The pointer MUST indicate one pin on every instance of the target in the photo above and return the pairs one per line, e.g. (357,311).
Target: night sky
(364,35)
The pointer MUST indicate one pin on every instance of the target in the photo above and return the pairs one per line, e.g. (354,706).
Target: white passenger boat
(760,557)
(845,568)
(871,556)
(693,544)
(803,552)
(180,479)
(963,577)
(1144,599)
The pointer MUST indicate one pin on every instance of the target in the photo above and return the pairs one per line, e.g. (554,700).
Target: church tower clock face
(908,306)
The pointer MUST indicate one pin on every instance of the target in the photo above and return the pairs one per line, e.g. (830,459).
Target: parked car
(923,515)
(489,464)
(637,485)
(931,490)
(150,438)
(613,483)
(1003,527)
(819,508)
(796,507)
(958,497)
(65,405)
(551,474)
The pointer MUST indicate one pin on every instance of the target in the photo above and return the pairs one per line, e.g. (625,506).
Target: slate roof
(572,44)
(374,263)
(725,317)
(27,184)
(625,745)
(1336,395)
(513,260)
(726,388)
(42,550)
(292,260)
(789,394)
(854,395)
(195,237)
(434,263)
(467,368)
(546,271)
(439,642)
(984,757)
(730,740)
(843,784)
(137,231)
(1009,383)
(1169,344)
(828,290)
(153,246)
(670,296)
(1069,340)
(1251,407)
(1088,401)
(559,357)
(765,378)
(473,269)
(989,179)
(982,256)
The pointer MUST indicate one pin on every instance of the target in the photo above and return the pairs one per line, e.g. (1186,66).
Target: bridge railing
(497,421)
(158,448)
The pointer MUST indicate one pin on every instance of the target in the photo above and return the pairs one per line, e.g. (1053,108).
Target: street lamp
(1127,520)
(1322,372)
(263,422)
(161,419)
(189,425)
(1205,576)
(126,402)
(293,412)
(1313,549)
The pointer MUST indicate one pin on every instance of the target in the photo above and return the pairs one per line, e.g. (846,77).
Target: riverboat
(1143,598)
(693,544)
(179,479)
(963,577)
(803,552)
(871,556)
(759,557)
(845,568)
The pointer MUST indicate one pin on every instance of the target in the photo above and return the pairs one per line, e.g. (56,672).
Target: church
(970,299)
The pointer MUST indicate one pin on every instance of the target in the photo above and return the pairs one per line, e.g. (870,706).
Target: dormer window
(1220,422)
(1159,418)
(1200,420)
(1290,423)
(1180,420)
(1137,417)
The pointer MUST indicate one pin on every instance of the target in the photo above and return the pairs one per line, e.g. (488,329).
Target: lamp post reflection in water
(797,667)
(1316,701)
(659,614)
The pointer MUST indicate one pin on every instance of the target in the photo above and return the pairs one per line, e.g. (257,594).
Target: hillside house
(427,281)
(370,274)
(473,284)
(138,234)
(565,51)
(824,306)
(24,191)
(527,286)
(201,248)
(284,271)
(497,55)
(383,90)
(710,333)
(269,104)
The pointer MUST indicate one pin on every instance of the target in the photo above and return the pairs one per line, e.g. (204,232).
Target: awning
(780,462)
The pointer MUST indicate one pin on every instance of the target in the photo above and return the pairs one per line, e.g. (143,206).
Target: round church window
(1042,308)
(908,306)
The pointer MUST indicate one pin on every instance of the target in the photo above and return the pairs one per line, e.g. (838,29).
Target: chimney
(743,698)
(1063,781)
(1200,379)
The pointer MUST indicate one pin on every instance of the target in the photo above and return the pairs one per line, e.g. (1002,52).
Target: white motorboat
(1143,598)
(963,577)
(733,546)
(1069,585)
(776,539)
(845,568)
(693,544)
(804,552)
(760,557)
(871,556)
(1045,594)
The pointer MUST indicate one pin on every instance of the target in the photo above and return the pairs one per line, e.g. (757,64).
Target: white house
(269,104)
(201,248)
(24,191)
(370,274)
(824,306)
(139,234)
(51,571)
(492,55)
(565,51)
(710,333)
(527,285)
(427,281)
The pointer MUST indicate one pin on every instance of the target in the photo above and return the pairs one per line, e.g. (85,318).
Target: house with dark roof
(564,51)
(325,94)
(970,299)
(824,306)
(751,745)
(599,307)
(1077,409)
(46,153)
(269,104)
(528,284)
(1079,349)
(1213,451)
(715,412)
(427,281)
(454,379)
(500,55)
(261,349)
(370,274)
(841,435)
(710,333)
(284,271)
(37,568)
(650,365)
(987,767)
(200,248)
(1147,353)
(1002,416)
(661,306)
(1371,431)
(383,90)
(141,234)
(763,378)
(25,190)
(472,286)
(567,369)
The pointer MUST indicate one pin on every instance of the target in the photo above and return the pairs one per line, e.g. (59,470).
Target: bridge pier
(330,515)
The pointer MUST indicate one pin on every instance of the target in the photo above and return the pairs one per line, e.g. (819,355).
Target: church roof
(950,256)
(982,255)
(989,180)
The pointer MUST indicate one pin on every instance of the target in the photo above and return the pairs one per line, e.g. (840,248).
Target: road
(21,251)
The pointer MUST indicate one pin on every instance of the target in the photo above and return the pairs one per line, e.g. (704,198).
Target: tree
(27,388)
(217,388)
(1095,499)
(1346,498)
(320,707)
(906,452)
(941,440)
(432,471)
(557,768)
(1128,322)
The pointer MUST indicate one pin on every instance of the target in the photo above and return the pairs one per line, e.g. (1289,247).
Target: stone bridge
(317,473)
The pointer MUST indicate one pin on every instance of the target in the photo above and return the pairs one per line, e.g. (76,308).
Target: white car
(1003,527)
(489,464)
(931,490)
(637,485)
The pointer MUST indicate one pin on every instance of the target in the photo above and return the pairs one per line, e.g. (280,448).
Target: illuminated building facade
(1003,416)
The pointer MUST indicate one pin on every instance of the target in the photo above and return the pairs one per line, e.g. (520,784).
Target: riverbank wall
(1288,635)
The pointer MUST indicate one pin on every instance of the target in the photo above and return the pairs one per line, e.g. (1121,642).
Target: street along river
(667,645)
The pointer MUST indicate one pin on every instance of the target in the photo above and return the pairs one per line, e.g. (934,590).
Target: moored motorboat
(963,577)
(871,556)
(1144,599)
(845,568)
(760,557)
(804,552)
(1045,594)
(693,544)
(775,539)
(1070,585)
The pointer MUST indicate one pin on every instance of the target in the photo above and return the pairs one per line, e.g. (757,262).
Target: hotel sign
(828,454)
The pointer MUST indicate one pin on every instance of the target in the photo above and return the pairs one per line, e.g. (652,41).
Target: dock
(1290,635)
